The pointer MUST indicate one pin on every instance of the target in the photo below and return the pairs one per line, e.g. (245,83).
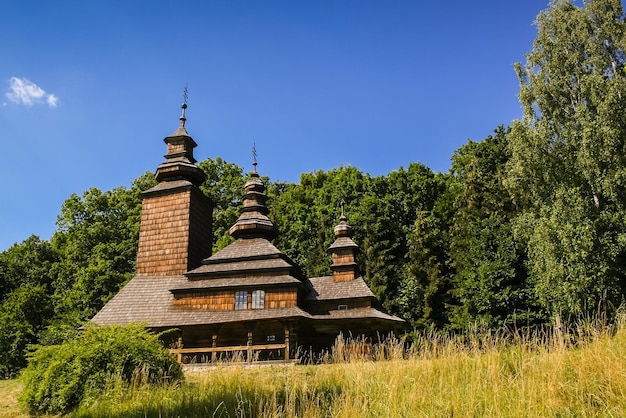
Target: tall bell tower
(176,217)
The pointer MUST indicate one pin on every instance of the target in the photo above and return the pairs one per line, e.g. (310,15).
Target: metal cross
(254,155)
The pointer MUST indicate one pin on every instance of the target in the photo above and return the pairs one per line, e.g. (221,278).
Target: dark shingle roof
(147,299)
(234,266)
(247,258)
(325,288)
(252,247)
(358,313)
(234,282)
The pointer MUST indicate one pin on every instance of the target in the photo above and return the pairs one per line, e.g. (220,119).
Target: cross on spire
(183,118)
(254,155)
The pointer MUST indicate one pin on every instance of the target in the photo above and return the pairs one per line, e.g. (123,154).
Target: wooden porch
(250,352)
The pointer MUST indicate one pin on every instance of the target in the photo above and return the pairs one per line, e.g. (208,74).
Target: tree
(26,263)
(97,243)
(306,214)
(224,185)
(388,218)
(25,305)
(568,162)
(424,295)
(490,279)
(23,314)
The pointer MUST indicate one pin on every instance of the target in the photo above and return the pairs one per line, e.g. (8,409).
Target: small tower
(176,217)
(343,251)
(253,221)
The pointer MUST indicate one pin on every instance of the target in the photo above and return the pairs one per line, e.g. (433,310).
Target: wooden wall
(220,300)
(344,265)
(175,231)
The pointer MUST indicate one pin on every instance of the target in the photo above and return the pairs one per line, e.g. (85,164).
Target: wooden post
(286,342)
(179,355)
(249,344)
(213,344)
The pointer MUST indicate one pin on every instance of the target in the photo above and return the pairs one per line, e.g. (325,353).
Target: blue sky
(89,89)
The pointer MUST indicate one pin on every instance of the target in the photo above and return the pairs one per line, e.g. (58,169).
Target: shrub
(59,377)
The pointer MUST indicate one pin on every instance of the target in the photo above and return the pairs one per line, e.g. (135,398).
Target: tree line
(528,225)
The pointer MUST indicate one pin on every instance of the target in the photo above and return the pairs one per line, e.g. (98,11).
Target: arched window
(258,299)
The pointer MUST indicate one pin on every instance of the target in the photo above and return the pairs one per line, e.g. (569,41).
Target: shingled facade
(248,297)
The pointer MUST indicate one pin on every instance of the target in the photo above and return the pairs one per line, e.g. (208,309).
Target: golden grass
(9,389)
(580,373)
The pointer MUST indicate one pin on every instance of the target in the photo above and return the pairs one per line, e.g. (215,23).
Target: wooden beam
(249,345)
(286,342)
(250,349)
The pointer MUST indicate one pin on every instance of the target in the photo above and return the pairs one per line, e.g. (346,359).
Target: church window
(258,299)
(241,300)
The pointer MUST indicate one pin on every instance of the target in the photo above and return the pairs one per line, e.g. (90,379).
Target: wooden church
(247,298)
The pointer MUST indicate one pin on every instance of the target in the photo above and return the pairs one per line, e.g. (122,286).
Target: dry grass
(561,373)
(9,389)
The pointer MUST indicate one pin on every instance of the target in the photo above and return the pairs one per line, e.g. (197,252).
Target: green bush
(59,377)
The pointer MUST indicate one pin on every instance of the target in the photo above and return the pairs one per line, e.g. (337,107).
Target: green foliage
(569,267)
(382,211)
(491,284)
(97,243)
(387,219)
(224,185)
(23,314)
(59,377)
(306,214)
(425,291)
(25,305)
(27,263)
(568,168)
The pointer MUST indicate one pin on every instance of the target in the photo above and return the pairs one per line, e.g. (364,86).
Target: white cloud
(23,91)
(52,100)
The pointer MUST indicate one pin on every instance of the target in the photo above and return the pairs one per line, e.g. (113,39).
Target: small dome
(343,229)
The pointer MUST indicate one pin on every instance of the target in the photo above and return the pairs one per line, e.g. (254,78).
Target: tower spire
(253,221)
(254,155)
(343,251)
(179,160)
(183,118)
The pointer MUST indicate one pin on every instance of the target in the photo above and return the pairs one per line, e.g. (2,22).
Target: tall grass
(562,371)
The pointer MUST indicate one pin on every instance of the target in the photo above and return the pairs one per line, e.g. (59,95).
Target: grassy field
(557,374)
(9,389)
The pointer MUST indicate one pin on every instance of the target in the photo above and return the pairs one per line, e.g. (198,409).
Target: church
(247,298)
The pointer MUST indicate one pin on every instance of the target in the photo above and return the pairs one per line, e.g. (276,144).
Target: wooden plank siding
(224,300)
(163,235)
(281,298)
(175,231)
(343,256)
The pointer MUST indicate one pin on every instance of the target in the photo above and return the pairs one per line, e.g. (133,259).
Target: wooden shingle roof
(251,247)
(357,313)
(147,299)
(325,289)
(259,281)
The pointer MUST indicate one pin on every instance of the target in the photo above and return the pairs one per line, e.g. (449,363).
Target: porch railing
(248,349)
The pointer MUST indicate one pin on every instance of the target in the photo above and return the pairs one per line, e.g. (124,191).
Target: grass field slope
(578,372)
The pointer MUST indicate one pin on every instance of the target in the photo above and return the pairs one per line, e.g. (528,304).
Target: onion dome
(343,235)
